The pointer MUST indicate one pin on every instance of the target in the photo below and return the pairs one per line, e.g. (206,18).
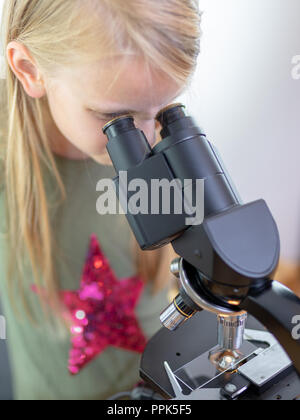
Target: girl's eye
(111,116)
(105,117)
(108,117)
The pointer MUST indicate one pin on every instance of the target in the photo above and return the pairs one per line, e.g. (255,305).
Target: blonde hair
(58,33)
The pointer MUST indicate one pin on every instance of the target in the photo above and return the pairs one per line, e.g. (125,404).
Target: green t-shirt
(39,355)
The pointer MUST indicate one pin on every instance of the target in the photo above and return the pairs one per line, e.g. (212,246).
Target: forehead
(118,81)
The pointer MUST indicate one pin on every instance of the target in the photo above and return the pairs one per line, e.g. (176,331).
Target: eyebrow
(120,112)
(115,112)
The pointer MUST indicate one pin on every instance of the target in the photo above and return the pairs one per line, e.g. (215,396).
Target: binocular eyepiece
(181,158)
(128,146)
(125,123)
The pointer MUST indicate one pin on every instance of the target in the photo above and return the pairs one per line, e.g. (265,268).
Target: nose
(148,127)
(151,129)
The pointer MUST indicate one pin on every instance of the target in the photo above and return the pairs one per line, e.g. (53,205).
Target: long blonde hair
(58,33)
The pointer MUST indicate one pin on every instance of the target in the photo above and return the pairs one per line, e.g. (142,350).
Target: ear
(25,69)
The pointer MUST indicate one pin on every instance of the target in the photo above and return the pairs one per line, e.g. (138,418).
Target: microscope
(231,332)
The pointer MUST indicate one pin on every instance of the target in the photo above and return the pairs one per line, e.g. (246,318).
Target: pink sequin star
(102,311)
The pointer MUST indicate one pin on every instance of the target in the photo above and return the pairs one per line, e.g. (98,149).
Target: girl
(71,66)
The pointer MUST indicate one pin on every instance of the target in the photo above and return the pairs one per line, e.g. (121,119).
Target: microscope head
(233,249)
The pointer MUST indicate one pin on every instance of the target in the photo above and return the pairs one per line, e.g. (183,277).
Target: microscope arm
(275,308)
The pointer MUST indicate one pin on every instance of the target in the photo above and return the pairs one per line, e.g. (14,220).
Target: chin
(103,159)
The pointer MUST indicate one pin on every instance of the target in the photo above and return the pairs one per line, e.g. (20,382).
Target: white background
(248,103)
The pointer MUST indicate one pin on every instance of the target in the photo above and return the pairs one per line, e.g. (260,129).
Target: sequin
(102,311)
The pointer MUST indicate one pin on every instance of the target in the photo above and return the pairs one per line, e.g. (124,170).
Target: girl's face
(83,99)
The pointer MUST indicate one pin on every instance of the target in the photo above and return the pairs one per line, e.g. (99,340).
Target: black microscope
(225,273)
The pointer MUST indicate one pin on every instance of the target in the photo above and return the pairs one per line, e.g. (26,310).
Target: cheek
(76,125)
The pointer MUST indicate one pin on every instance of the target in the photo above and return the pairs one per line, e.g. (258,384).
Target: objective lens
(176,314)
(231,331)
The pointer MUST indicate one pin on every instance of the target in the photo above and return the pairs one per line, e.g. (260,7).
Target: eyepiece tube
(173,119)
(171,114)
(127,145)
(192,156)
(118,126)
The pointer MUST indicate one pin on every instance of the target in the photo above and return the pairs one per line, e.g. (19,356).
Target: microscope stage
(187,350)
